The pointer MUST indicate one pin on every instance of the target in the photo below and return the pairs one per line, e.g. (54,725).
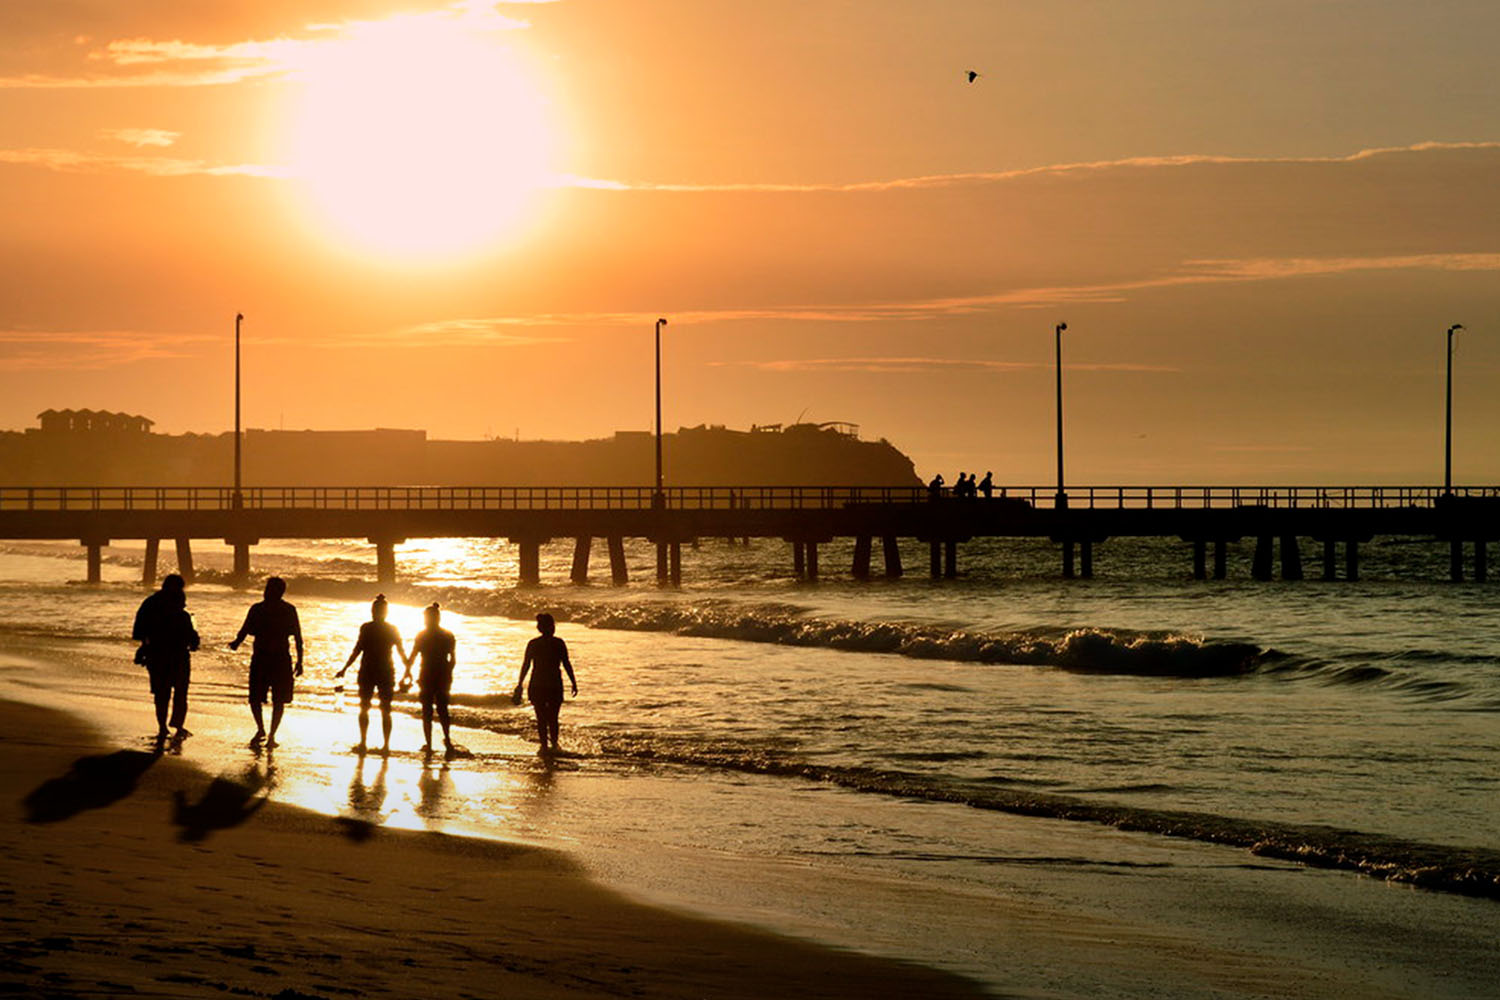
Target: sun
(417,138)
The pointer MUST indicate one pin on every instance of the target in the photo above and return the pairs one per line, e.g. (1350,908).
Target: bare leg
(426,724)
(161,712)
(385,721)
(364,720)
(260,722)
(179,706)
(541,724)
(442,710)
(552,722)
(277,708)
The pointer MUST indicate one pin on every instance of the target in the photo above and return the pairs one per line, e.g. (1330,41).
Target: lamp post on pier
(1062,496)
(659,498)
(238,499)
(1448,418)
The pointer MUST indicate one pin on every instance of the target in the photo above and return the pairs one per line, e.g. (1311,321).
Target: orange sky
(1258,219)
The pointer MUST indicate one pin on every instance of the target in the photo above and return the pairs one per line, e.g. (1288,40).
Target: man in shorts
(164,629)
(435,646)
(377,669)
(273,622)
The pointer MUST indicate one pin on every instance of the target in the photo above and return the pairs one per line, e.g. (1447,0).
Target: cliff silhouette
(122,451)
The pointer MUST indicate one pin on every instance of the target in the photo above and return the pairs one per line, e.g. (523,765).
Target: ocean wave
(1466,871)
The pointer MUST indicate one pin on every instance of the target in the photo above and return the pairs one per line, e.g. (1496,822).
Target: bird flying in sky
(973,75)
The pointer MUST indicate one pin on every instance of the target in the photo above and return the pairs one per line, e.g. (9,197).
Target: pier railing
(505,498)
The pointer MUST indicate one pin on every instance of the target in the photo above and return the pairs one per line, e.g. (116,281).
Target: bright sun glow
(418,137)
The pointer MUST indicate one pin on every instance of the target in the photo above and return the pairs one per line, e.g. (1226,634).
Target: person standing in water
(165,631)
(544,656)
(377,670)
(273,622)
(435,646)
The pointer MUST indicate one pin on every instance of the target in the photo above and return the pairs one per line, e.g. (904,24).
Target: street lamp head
(238,317)
(1061,327)
(1455,326)
(661,322)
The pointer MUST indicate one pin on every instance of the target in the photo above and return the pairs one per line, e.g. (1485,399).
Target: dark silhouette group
(167,638)
(967,487)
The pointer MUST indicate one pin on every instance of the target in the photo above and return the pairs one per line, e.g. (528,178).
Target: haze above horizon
(1258,220)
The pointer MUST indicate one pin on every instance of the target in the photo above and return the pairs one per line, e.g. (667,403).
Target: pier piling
(950,560)
(95,560)
(1330,559)
(1351,560)
(239,574)
(619,575)
(581,546)
(662,570)
(1200,559)
(1086,559)
(1291,558)
(530,559)
(1221,559)
(935,560)
(891,550)
(812,562)
(862,547)
(1260,565)
(1456,560)
(1067,559)
(185,559)
(148,564)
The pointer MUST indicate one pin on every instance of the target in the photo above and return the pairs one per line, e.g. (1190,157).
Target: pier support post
(1260,566)
(674,552)
(185,559)
(1330,560)
(148,564)
(95,560)
(1456,560)
(1481,560)
(531,562)
(891,549)
(935,560)
(662,570)
(1086,559)
(1200,559)
(385,560)
(1291,558)
(581,546)
(862,547)
(812,562)
(799,561)
(239,574)
(618,574)
(1067,559)
(1351,560)
(1221,559)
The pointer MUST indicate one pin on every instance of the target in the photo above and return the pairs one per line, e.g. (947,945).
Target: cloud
(70,161)
(931,181)
(71,350)
(911,365)
(502,329)
(151,137)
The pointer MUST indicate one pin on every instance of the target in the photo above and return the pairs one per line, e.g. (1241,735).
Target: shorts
(273,677)
(377,677)
(166,676)
(434,686)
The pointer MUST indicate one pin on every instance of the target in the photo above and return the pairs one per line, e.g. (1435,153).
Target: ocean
(1304,774)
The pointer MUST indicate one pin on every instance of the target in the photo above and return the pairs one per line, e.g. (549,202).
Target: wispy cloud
(150,62)
(159,138)
(913,365)
(68,350)
(929,181)
(71,161)
(502,329)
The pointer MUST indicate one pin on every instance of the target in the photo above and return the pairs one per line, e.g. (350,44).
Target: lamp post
(238,500)
(1062,497)
(660,497)
(1448,418)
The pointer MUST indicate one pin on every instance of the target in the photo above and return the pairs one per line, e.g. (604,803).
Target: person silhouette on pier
(987,485)
(435,646)
(935,487)
(377,670)
(544,656)
(273,622)
(165,631)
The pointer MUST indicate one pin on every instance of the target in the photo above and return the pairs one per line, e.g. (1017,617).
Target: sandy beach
(131,873)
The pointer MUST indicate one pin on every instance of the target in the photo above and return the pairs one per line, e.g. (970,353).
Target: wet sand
(130,873)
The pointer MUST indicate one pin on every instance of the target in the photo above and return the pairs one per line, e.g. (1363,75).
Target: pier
(1331,522)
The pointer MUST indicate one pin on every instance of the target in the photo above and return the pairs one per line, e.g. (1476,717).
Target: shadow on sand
(93,783)
(226,803)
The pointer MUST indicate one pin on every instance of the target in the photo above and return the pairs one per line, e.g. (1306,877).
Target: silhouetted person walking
(272,622)
(165,631)
(435,646)
(377,670)
(544,656)
(987,485)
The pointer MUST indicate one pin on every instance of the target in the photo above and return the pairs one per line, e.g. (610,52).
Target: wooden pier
(1207,519)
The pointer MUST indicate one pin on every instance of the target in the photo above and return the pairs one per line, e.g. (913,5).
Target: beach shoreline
(128,871)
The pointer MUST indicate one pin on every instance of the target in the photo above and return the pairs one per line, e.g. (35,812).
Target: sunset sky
(1257,218)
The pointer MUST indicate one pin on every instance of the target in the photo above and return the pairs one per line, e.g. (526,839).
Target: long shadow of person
(433,788)
(365,802)
(93,783)
(225,804)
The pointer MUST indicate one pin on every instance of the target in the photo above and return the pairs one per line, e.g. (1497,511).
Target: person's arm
(568,666)
(244,630)
(297,638)
(415,644)
(359,644)
(525,666)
